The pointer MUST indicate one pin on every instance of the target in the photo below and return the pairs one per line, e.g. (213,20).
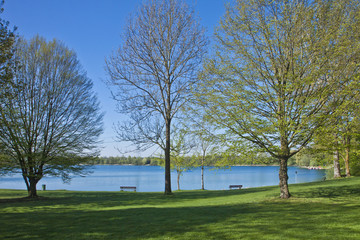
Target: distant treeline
(304,158)
(126,160)
(215,160)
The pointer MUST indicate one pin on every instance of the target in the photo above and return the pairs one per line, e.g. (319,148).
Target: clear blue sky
(92,29)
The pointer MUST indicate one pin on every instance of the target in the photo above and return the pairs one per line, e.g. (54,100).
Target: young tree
(181,145)
(279,71)
(207,145)
(51,124)
(206,141)
(152,72)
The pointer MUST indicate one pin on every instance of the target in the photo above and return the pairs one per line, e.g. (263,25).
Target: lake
(151,178)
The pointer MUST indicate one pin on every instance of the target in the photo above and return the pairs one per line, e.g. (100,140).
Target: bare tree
(153,70)
(51,124)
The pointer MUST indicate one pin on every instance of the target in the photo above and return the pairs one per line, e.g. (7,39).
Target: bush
(355,169)
(329,173)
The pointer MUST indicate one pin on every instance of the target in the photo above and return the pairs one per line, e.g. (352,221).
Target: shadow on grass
(336,190)
(113,199)
(286,220)
(189,214)
(22,199)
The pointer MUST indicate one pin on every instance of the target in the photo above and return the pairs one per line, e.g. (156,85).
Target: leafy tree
(338,135)
(7,40)
(51,124)
(152,72)
(280,69)
(348,130)
(355,154)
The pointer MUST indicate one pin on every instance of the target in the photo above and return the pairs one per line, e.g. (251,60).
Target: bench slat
(127,187)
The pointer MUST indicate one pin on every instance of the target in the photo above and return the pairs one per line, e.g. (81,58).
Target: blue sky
(92,29)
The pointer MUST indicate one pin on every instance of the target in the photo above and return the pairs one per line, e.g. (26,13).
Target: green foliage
(355,160)
(322,210)
(124,160)
(280,69)
(7,40)
(355,169)
(312,156)
(329,173)
(7,165)
(239,152)
(259,86)
(214,160)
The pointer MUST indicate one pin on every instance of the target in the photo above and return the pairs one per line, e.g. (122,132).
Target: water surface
(151,178)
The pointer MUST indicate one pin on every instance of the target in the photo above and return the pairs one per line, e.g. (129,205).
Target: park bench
(123,188)
(235,186)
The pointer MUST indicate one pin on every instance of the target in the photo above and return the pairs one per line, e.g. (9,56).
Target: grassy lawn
(323,210)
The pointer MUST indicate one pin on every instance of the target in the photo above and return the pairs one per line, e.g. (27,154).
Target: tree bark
(347,155)
(337,172)
(202,176)
(167,160)
(178,180)
(32,193)
(283,177)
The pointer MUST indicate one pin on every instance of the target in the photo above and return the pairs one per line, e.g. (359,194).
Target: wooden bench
(123,188)
(235,186)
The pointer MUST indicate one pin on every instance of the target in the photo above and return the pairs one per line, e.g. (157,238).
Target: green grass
(323,210)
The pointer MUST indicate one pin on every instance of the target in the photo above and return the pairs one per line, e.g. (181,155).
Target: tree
(181,145)
(347,129)
(207,142)
(340,134)
(51,124)
(152,72)
(280,69)
(207,146)
(7,40)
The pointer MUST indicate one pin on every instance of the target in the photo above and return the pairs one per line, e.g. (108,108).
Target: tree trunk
(337,172)
(202,175)
(178,180)
(347,155)
(167,160)
(32,188)
(284,144)
(283,177)
(26,181)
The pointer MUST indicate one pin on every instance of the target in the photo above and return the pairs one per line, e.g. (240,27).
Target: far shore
(247,165)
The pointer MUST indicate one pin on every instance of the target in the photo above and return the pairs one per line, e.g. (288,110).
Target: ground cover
(322,210)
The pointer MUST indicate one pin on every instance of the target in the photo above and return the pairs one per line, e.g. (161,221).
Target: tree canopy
(51,123)
(280,69)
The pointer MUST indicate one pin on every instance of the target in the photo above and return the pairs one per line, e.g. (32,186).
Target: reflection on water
(151,178)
